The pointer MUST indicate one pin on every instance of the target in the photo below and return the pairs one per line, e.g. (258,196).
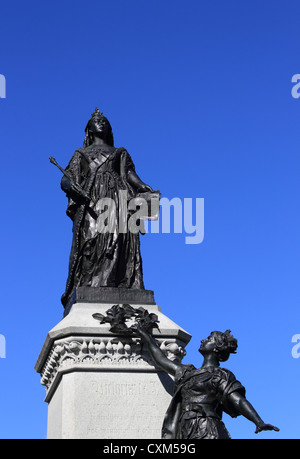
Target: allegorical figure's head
(98,126)
(222,344)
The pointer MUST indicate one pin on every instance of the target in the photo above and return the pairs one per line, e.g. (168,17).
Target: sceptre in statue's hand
(69,186)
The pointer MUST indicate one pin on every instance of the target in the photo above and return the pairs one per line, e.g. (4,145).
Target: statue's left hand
(144,188)
(264,426)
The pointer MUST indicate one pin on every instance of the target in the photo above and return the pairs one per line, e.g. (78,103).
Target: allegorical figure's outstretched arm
(158,356)
(245,408)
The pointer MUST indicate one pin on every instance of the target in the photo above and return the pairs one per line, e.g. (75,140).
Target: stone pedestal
(100,385)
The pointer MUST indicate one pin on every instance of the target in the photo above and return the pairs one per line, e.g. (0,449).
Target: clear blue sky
(200,94)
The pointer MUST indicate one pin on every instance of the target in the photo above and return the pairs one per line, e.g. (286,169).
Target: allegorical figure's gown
(199,400)
(100,258)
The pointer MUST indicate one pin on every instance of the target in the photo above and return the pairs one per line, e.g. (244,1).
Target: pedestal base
(109,405)
(100,385)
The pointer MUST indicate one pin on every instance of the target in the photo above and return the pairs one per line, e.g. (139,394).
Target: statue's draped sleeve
(224,383)
(73,169)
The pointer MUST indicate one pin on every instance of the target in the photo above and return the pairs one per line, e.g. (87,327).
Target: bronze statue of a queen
(99,182)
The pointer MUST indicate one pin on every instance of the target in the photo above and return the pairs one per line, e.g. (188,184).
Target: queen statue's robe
(102,258)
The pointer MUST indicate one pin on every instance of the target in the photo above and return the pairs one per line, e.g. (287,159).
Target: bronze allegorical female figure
(202,395)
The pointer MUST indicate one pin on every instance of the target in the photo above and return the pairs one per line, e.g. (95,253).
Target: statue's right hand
(138,329)
(72,188)
(82,194)
(66,184)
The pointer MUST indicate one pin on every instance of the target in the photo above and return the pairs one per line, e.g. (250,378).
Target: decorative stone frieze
(93,353)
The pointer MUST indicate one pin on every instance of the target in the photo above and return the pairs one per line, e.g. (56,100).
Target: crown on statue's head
(97,113)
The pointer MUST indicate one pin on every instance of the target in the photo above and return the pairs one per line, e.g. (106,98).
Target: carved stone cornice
(105,353)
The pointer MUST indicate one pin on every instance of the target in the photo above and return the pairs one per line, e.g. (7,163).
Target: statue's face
(99,126)
(207,345)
